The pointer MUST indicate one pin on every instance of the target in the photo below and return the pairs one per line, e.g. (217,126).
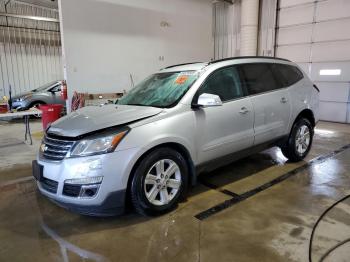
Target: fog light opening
(89,191)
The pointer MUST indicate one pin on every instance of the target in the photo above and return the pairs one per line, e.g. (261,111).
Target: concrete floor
(272,223)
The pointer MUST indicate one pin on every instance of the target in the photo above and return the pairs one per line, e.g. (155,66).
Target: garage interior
(260,208)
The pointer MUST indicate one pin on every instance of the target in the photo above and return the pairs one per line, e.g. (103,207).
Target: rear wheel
(159,182)
(299,141)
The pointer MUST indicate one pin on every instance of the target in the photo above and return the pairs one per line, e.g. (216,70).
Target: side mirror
(209,100)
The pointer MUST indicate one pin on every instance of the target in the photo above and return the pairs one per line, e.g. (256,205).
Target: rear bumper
(113,205)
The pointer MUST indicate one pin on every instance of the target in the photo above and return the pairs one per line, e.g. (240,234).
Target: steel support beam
(30,17)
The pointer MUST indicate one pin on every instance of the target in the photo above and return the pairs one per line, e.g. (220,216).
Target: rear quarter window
(259,78)
(288,75)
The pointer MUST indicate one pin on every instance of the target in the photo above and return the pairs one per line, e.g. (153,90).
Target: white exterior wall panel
(327,91)
(332,30)
(333,111)
(331,51)
(289,3)
(296,15)
(332,10)
(298,34)
(298,53)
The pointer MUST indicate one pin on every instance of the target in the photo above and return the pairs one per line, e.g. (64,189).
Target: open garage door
(316,35)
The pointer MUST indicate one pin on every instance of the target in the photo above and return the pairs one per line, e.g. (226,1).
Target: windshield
(44,87)
(160,90)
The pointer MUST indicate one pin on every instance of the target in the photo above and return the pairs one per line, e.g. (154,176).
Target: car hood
(18,96)
(94,118)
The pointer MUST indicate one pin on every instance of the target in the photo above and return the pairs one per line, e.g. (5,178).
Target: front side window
(258,78)
(225,83)
(161,89)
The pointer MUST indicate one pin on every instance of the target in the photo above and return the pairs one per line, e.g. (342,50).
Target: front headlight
(99,145)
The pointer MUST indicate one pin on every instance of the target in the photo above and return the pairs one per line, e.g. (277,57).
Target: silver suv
(183,120)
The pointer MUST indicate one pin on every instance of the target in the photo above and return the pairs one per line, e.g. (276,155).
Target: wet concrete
(272,225)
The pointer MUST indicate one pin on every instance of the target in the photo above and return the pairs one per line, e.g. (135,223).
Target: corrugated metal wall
(267,24)
(30,50)
(226,29)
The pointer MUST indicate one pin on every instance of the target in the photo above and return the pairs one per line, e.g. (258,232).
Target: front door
(228,128)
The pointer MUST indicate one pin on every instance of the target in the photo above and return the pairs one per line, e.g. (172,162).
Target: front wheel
(159,182)
(299,141)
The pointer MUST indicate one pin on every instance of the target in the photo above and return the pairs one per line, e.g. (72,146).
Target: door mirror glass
(208,100)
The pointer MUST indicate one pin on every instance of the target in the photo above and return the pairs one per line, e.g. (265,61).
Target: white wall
(105,41)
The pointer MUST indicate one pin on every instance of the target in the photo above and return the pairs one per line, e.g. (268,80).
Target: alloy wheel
(162,182)
(302,140)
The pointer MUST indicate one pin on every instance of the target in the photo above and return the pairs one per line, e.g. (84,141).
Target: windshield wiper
(135,104)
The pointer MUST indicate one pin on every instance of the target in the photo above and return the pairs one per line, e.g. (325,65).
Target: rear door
(270,100)
(225,129)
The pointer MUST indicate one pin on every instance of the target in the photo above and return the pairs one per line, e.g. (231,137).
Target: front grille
(56,148)
(71,190)
(49,185)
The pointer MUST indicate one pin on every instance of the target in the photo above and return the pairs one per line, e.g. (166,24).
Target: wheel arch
(308,114)
(174,145)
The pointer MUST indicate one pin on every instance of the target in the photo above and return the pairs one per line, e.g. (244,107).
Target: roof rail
(181,65)
(244,57)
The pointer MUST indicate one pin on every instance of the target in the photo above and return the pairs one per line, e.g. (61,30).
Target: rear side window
(259,78)
(288,74)
(225,83)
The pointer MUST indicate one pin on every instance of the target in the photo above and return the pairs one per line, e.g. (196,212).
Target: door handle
(284,100)
(243,110)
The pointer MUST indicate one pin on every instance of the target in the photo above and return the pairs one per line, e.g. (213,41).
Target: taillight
(315,86)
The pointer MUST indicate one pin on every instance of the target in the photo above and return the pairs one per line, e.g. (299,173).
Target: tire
(155,196)
(299,143)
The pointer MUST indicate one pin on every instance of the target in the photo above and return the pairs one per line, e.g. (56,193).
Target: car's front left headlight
(100,145)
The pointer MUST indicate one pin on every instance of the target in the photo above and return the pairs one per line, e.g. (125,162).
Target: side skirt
(228,159)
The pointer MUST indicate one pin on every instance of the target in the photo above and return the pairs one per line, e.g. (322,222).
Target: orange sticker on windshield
(181,79)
